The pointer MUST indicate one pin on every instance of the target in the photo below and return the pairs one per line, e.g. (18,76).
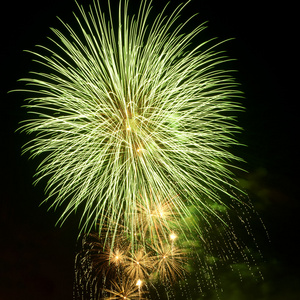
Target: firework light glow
(135,127)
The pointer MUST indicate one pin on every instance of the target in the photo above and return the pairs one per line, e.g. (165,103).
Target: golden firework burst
(129,290)
(139,264)
(169,262)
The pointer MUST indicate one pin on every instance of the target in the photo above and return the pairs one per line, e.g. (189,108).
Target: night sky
(36,257)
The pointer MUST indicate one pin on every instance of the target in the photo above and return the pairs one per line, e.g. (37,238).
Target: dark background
(36,258)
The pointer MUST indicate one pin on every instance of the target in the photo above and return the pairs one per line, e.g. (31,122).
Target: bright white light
(139,283)
(173,236)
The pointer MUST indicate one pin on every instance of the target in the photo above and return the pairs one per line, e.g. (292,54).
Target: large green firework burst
(129,114)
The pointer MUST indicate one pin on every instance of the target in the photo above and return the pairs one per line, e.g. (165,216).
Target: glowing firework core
(173,236)
(139,282)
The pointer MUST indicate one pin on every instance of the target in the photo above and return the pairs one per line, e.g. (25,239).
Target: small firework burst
(107,259)
(128,290)
(139,264)
(169,263)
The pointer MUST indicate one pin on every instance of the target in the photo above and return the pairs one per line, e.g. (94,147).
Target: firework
(139,265)
(155,218)
(169,263)
(121,271)
(127,110)
(135,125)
(164,264)
(128,290)
(107,259)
